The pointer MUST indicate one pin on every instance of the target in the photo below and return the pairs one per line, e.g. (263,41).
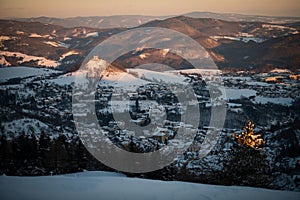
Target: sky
(72,8)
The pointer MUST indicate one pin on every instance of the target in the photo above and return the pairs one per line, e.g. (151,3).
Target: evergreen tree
(248,137)
(58,155)
(43,150)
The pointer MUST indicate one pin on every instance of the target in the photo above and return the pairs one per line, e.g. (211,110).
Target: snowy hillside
(24,72)
(23,58)
(108,185)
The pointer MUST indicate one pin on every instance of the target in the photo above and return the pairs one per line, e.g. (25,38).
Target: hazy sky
(70,8)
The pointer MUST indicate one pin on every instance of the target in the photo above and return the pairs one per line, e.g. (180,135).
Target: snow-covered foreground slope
(107,185)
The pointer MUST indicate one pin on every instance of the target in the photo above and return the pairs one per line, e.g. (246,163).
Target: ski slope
(108,185)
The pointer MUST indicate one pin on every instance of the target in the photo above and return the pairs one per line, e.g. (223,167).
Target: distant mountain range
(129,21)
(118,21)
(242,42)
(246,18)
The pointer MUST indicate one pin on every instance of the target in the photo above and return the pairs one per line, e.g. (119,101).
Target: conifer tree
(248,137)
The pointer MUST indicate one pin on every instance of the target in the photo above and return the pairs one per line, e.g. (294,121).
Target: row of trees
(31,155)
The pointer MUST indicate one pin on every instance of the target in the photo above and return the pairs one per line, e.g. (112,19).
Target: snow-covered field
(278,100)
(69,78)
(167,77)
(23,72)
(108,185)
(233,93)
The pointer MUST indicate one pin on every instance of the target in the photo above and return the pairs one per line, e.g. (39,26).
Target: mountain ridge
(230,44)
(130,21)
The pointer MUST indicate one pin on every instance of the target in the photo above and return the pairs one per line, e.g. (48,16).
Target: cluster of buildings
(275,84)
